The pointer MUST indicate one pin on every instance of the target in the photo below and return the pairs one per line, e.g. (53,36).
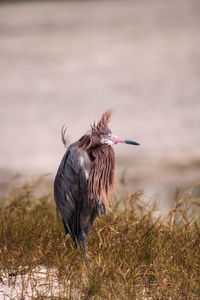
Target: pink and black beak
(115,139)
(130,142)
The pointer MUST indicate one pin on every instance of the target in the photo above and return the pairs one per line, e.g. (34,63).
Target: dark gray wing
(70,188)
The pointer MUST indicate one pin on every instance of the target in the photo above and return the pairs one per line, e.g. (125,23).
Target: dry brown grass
(132,253)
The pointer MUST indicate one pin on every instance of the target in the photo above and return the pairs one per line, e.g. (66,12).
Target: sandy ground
(66,62)
(41,282)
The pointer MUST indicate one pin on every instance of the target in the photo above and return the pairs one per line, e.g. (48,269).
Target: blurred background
(69,61)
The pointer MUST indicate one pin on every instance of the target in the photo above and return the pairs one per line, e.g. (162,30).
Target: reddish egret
(85,178)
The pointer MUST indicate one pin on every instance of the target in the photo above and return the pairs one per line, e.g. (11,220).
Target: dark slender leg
(103,210)
(75,245)
(83,240)
(98,214)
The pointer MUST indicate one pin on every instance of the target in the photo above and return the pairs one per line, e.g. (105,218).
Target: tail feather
(63,135)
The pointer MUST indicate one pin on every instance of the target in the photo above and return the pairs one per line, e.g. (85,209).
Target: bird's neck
(102,175)
(85,142)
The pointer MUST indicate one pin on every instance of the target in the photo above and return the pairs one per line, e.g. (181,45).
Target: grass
(132,253)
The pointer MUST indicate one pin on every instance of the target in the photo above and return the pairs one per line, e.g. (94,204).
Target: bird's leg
(98,214)
(83,240)
(101,206)
(75,243)
(103,209)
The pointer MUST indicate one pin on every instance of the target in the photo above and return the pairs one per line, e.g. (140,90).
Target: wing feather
(71,188)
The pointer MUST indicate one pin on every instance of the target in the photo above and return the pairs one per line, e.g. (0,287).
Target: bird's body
(84,180)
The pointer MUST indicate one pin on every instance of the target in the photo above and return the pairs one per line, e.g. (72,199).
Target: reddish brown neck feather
(102,177)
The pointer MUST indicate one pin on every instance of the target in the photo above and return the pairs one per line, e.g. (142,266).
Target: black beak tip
(131,142)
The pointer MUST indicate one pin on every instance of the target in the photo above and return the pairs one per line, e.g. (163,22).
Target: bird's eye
(104,136)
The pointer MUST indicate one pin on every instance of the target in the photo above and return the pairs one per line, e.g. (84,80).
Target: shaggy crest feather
(103,126)
(101,178)
(63,135)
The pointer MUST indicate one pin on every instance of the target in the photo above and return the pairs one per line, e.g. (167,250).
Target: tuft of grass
(132,254)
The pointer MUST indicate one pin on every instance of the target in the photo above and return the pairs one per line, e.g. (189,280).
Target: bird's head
(101,133)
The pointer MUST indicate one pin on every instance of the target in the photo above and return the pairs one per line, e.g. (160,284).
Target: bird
(85,178)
